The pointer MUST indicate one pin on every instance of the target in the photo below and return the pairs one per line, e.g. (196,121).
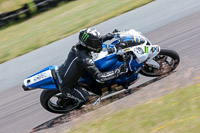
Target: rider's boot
(78,94)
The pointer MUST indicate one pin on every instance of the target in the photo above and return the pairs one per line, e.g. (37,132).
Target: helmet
(91,39)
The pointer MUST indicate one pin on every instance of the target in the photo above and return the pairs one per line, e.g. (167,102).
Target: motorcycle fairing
(42,79)
(108,63)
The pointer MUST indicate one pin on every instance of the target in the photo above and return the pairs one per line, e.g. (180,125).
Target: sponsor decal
(153,49)
(39,77)
(134,38)
(127,49)
(146,49)
(109,78)
(84,37)
(139,50)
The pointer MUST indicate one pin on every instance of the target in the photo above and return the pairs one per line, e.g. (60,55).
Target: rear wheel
(167,59)
(54,102)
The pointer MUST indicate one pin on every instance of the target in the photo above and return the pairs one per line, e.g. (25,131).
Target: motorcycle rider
(80,61)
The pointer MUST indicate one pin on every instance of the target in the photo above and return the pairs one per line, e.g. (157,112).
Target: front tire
(51,101)
(167,59)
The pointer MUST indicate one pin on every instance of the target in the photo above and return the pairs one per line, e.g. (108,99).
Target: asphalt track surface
(169,23)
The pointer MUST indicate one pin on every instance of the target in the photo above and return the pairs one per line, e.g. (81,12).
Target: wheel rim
(67,103)
(167,65)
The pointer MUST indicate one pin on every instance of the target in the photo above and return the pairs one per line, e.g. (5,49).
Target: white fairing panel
(140,54)
(155,50)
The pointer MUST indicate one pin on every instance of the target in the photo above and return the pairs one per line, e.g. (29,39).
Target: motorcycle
(129,47)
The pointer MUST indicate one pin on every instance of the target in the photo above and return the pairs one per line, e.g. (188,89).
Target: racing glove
(107,37)
(115,31)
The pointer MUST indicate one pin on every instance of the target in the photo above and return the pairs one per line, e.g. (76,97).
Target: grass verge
(9,5)
(58,23)
(173,113)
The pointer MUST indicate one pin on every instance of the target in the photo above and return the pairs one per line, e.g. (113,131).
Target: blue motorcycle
(130,47)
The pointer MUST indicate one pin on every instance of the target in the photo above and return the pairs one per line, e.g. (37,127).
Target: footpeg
(97,102)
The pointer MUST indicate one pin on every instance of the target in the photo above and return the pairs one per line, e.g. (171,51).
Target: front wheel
(167,59)
(53,101)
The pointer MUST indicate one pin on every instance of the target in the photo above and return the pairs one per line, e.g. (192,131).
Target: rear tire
(46,100)
(149,71)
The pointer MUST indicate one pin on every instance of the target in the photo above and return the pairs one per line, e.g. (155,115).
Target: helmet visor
(96,44)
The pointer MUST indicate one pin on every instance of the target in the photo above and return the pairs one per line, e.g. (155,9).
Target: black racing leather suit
(78,62)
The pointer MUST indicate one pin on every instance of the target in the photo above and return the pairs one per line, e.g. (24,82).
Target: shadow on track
(73,114)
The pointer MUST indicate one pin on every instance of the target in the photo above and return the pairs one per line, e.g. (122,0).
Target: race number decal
(139,50)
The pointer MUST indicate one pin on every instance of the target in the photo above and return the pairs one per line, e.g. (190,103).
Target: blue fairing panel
(42,79)
(108,63)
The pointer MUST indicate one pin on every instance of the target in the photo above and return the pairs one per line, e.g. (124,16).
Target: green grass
(58,23)
(178,112)
(9,5)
